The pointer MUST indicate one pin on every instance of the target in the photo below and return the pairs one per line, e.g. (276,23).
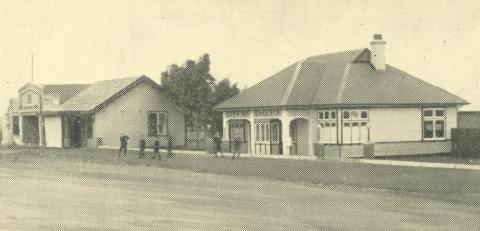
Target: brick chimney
(377,49)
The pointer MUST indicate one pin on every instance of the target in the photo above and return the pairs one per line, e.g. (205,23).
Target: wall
(129,115)
(412,148)
(53,131)
(395,124)
(403,124)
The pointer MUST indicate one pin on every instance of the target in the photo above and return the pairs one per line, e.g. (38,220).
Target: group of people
(217,141)
(142,145)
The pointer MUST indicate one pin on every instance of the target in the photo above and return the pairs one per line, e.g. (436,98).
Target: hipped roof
(340,79)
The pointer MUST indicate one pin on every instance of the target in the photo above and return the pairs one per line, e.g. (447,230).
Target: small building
(339,105)
(95,115)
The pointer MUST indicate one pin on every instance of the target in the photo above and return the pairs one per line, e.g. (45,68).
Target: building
(333,105)
(469,119)
(95,115)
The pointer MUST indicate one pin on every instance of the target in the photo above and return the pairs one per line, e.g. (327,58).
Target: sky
(86,41)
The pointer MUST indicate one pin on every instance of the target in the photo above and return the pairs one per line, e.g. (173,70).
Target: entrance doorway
(30,129)
(268,137)
(240,129)
(299,135)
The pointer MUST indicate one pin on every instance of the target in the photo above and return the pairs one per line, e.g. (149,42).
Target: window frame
(358,118)
(327,125)
(157,116)
(434,118)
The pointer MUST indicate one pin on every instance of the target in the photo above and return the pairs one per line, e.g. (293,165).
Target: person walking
(142,148)
(156,150)
(217,142)
(123,145)
(236,147)
(169,146)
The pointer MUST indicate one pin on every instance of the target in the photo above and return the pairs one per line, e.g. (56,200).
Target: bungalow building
(344,104)
(94,115)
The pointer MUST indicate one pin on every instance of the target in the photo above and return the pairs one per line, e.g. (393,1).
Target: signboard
(267,112)
(234,114)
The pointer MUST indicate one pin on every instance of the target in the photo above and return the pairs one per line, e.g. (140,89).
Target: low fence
(466,142)
(196,140)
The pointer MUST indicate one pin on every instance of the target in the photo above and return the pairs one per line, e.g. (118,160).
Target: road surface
(47,194)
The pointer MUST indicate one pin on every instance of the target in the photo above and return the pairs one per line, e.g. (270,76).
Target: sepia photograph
(239,115)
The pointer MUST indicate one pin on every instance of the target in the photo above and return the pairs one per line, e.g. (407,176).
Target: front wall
(129,115)
(395,124)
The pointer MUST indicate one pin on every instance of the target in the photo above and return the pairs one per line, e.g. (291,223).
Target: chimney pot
(377,36)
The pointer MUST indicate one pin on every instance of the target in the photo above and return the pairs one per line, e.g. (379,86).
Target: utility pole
(31,80)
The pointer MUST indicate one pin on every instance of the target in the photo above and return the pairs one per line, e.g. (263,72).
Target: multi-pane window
(327,127)
(15,125)
(267,132)
(157,123)
(275,127)
(434,123)
(263,132)
(354,126)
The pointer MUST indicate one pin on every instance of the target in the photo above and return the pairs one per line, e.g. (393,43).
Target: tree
(223,91)
(193,87)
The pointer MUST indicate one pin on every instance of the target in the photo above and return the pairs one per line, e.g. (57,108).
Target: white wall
(395,124)
(53,131)
(403,124)
(129,115)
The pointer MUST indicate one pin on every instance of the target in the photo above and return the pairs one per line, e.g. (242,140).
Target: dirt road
(46,194)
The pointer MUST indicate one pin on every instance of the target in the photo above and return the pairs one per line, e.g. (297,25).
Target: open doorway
(30,130)
(299,135)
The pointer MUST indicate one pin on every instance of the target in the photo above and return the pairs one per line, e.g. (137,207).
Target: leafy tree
(193,87)
(223,90)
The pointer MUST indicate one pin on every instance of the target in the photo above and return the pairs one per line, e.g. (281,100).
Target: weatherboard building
(342,105)
(93,115)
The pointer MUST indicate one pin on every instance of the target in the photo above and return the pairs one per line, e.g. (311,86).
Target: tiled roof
(64,91)
(340,79)
(98,93)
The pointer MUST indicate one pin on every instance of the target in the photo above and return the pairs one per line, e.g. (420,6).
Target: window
(15,125)
(267,132)
(355,126)
(29,99)
(434,124)
(157,123)
(326,127)
(275,132)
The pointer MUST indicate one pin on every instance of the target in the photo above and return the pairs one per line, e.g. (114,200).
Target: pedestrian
(142,148)
(123,145)
(217,142)
(169,146)
(236,147)
(156,150)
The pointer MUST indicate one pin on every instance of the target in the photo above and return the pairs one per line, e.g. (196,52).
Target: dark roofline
(343,106)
